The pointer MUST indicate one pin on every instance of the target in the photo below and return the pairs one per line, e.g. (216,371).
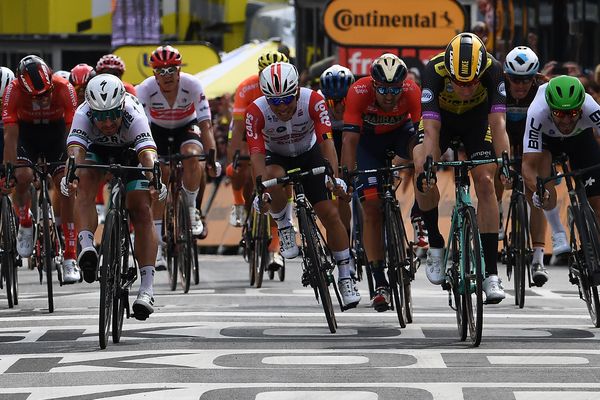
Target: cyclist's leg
(239,177)
(193,173)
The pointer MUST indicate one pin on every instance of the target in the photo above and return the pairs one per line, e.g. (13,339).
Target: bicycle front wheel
(183,236)
(517,246)
(47,251)
(261,248)
(315,259)
(592,259)
(394,254)
(472,276)
(8,254)
(121,299)
(110,263)
(169,239)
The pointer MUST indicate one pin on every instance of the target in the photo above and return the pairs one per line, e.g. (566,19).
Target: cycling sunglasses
(393,90)
(525,80)
(465,84)
(165,71)
(112,115)
(276,101)
(566,113)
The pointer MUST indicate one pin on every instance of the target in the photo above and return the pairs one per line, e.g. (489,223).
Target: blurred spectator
(532,41)
(415,75)
(593,88)
(597,74)
(481,29)
(222,149)
(573,69)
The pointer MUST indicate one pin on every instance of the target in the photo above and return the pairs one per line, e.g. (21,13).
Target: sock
(430,218)
(553,217)
(191,196)
(70,240)
(238,196)
(158,227)
(489,244)
(86,239)
(538,256)
(378,273)
(147,277)
(24,216)
(343,261)
(284,217)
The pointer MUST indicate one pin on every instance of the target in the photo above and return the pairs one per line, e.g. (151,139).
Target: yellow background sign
(196,58)
(414,23)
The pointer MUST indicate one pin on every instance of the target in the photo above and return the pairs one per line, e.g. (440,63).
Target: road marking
(316,360)
(537,360)
(547,395)
(317,395)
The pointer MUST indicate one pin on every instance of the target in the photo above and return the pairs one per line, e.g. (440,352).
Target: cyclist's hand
(422,185)
(159,194)
(507,181)
(262,205)
(66,188)
(214,170)
(338,187)
(539,202)
(4,189)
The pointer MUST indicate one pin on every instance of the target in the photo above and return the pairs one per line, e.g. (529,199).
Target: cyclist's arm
(328,151)
(349,144)
(529,165)
(259,167)
(207,136)
(431,140)
(500,140)
(11,138)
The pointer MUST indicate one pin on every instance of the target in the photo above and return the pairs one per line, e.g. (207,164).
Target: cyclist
(63,74)
(289,128)
(463,96)
(177,108)
(111,125)
(37,113)
(114,65)
(381,112)
(79,77)
(241,182)
(6,76)
(561,119)
(520,69)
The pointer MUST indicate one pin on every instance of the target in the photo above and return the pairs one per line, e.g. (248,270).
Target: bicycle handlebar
(237,157)
(292,175)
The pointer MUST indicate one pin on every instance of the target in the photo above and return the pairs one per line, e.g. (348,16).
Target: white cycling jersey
(310,124)
(134,131)
(540,123)
(190,105)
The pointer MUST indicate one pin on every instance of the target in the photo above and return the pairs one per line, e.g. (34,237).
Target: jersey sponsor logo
(281,129)
(323,113)
(376,119)
(426,95)
(141,136)
(249,128)
(595,117)
(534,135)
(502,89)
(361,89)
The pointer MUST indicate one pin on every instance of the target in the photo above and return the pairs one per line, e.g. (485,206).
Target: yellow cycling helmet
(270,58)
(465,57)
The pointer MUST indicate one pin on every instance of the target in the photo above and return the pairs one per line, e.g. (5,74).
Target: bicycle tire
(183,235)
(281,272)
(394,254)
(196,263)
(7,246)
(472,293)
(518,247)
(314,257)
(593,258)
(47,250)
(261,249)
(121,297)
(409,274)
(110,254)
(169,229)
(251,248)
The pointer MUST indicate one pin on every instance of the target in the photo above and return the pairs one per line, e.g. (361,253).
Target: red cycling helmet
(110,62)
(165,56)
(81,74)
(34,75)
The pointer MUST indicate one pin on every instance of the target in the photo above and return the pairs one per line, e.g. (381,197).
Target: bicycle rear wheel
(8,253)
(261,248)
(121,299)
(251,247)
(316,258)
(455,283)
(110,251)
(472,279)
(47,250)
(196,263)
(517,246)
(592,259)
(183,241)
(394,254)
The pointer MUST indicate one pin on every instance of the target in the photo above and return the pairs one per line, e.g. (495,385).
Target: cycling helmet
(565,93)
(34,75)
(521,61)
(279,80)
(388,68)
(62,73)
(105,92)
(335,82)
(165,56)
(465,57)
(110,62)
(6,76)
(270,58)
(81,74)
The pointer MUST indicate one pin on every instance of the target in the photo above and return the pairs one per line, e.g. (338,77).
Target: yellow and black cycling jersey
(438,95)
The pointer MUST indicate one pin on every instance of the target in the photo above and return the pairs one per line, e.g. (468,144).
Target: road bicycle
(117,274)
(8,243)
(584,232)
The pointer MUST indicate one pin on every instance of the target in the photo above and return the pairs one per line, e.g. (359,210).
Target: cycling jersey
(19,106)
(133,132)
(516,114)
(438,94)
(309,125)
(245,94)
(190,105)
(129,88)
(539,121)
(363,115)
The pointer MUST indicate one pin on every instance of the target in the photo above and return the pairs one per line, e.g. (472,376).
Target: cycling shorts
(179,137)
(133,180)
(43,139)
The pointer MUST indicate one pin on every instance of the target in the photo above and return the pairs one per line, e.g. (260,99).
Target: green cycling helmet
(565,93)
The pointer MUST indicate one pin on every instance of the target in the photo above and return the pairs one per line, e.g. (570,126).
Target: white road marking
(537,360)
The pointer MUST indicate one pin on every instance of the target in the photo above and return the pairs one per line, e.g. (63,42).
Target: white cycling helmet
(388,69)
(521,61)
(279,80)
(63,74)
(105,92)
(6,75)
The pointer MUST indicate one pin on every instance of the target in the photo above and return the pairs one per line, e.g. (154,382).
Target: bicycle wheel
(472,278)
(121,298)
(183,242)
(251,247)
(394,257)
(169,229)
(517,246)
(110,261)
(8,247)
(315,257)
(592,249)
(261,248)
(196,263)
(47,250)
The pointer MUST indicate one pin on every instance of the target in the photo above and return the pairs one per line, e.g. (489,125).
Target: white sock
(158,227)
(538,256)
(191,196)
(86,239)
(344,262)
(147,279)
(553,217)
(283,218)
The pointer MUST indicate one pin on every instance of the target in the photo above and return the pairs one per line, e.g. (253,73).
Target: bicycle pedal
(140,316)
(492,302)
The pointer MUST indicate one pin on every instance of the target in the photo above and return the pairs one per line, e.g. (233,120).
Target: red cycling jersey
(19,106)
(129,88)
(245,94)
(363,115)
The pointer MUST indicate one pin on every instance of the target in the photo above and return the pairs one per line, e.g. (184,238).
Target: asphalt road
(225,340)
